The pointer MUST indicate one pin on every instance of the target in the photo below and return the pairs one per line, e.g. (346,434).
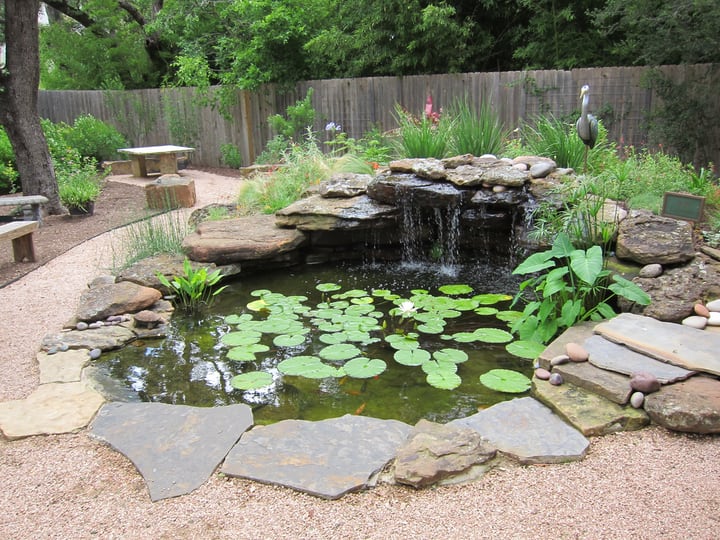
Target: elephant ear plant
(568,286)
(194,290)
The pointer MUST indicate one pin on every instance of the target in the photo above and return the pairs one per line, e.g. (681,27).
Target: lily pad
(455,356)
(238,319)
(525,349)
(364,368)
(401,342)
(243,337)
(444,380)
(257,305)
(456,289)
(307,366)
(339,352)
(493,335)
(412,357)
(491,298)
(328,287)
(252,380)
(289,340)
(506,380)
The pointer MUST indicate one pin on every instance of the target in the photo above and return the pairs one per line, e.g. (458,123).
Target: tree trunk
(19,82)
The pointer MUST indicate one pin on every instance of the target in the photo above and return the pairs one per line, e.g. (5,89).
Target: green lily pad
(289,340)
(455,356)
(307,366)
(364,368)
(525,349)
(328,287)
(260,292)
(509,316)
(486,311)
(456,289)
(491,298)
(401,342)
(257,305)
(242,337)
(493,335)
(238,319)
(339,352)
(332,338)
(444,380)
(251,380)
(412,357)
(431,328)
(505,380)
(439,365)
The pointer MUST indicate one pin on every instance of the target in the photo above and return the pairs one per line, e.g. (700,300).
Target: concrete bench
(21,234)
(32,205)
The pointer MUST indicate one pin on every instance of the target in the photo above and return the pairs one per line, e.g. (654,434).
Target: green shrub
(8,173)
(297,118)
(94,138)
(429,136)
(476,131)
(80,187)
(231,156)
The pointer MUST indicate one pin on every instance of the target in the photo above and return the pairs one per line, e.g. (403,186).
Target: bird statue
(587,124)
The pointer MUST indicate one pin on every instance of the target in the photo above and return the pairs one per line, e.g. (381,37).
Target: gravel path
(646,484)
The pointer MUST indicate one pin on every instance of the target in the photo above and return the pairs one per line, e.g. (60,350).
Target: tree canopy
(242,43)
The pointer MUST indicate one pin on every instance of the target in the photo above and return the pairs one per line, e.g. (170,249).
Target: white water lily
(407,308)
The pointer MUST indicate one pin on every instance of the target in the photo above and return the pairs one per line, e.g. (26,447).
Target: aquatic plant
(194,289)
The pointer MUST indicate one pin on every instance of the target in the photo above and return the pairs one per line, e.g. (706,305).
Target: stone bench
(31,204)
(21,234)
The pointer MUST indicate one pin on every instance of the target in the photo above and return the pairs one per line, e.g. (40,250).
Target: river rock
(124,297)
(651,270)
(251,238)
(646,239)
(691,406)
(542,168)
(644,382)
(695,321)
(713,305)
(542,373)
(576,353)
(637,399)
(555,379)
(434,452)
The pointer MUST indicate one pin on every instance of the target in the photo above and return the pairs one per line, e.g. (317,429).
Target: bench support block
(23,248)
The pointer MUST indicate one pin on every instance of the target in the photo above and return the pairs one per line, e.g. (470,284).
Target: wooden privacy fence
(173,116)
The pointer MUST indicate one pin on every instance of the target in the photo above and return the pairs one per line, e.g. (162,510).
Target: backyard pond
(393,341)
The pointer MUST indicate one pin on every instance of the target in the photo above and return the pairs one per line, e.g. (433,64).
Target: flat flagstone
(590,413)
(327,458)
(677,344)
(51,409)
(611,356)
(575,334)
(64,366)
(608,384)
(528,431)
(174,447)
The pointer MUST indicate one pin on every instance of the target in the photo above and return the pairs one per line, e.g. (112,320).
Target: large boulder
(645,238)
(244,239)
(99,303)
(690,406)
(317,213)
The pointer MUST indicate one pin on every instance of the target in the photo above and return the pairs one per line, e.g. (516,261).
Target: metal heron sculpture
(587,124)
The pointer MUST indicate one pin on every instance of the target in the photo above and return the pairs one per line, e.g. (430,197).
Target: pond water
(191,365)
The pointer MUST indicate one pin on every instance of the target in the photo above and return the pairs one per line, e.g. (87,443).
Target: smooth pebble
(559,360)
(637,399)
(695,321)
(651,271)
(645,382)
(542,373)
(95,354)
(82,325)
(713,305)
(714,318)
(576,352)
(701,310)
(555,379)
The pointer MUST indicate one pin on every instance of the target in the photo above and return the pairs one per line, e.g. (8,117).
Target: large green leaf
(535,263)
(455,356)
(525,349)
(554,281)
(412,357)
(252,380)
(456,289)
(562,246)
(401,342)
(364,368)
(242,337)
(505,380)
(308,366)
(492,335)
(630,290)
(587,264)
(339,352)
(289,340)
(491,298)
(444,380)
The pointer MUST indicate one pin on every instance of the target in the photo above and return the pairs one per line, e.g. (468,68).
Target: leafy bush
(476,131)
(231,155)
(373,147)
(80,187)
(569,286)
(297,118)
(8,174)
(94,138)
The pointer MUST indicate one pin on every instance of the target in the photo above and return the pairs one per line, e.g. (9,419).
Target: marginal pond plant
(194,289)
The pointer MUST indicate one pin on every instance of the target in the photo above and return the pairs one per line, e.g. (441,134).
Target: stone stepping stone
(174,447)
(588,412)
(528,431)
(52,408)
(327,458)
(608,384)
(575,334)
(64,366)
(611,356)
(693,349)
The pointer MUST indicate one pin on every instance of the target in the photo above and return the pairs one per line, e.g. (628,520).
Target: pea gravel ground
(651,484)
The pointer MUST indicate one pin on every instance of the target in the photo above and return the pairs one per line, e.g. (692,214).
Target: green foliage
(373,147)
(230,155)
(274,151)
(298,118)
(476,131)
(149,237)
(8,173)
(182,116)
(506,380)
(80,187)
(550,137)
(429,136)
(94,138)
(568,286)
(195,288)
